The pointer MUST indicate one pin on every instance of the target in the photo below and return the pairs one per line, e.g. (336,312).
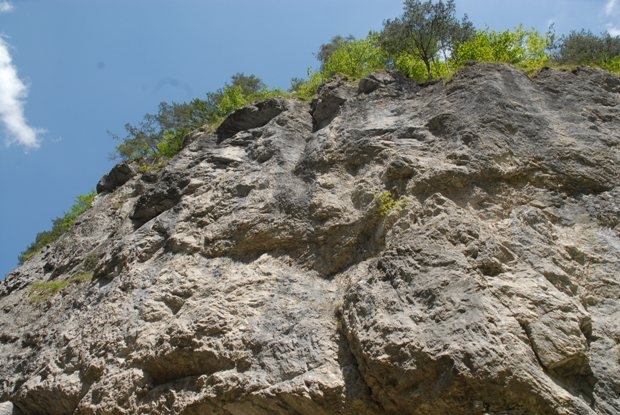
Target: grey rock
(118,176)
(445,249)
(326,105)
(248,117)
(7,408)
(375,81)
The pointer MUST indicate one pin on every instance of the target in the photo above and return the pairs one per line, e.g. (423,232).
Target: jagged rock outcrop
(390,249)
(118,176)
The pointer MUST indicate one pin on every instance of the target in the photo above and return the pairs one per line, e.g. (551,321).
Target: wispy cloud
(5,6)
(13,93)
(612,17)
(613,30)
(610,7)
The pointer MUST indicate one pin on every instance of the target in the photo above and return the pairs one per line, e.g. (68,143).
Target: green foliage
(524,48)
(412,66)
(426,31)
(43,290)
(350,57)
(305,90)
(59,226)
(586,48)
(90,262)
(159,137)
(326,49)
(356,58)
(243,89)
(612,65)
(387,203)
(171,142)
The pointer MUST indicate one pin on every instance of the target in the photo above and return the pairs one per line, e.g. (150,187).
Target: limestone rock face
(389,249)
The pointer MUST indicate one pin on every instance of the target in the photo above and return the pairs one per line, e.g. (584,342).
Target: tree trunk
(427,63)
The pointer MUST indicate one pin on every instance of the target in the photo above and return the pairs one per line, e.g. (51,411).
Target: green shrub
(356,58)
(159,137)
(305,90)
(612,65)
(525,48)
(353,58)
(90,262)
(59,226)
(43,290)
(411,66)
(387,203)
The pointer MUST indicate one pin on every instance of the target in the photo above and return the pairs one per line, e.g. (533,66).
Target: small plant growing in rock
(116,204)
(42,290)
(387,203)
(90,262)
(60,226)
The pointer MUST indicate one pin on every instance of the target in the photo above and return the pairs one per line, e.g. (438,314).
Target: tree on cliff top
(586,48)
(327,49)
(159,136)
(425,29)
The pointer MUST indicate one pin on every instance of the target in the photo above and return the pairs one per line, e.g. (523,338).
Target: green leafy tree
(242,90)
(143,141)
(351,57)
(586,48)
(356,58)
(326,49)
(160,136)
(305,89)
(241,86)
(249,84)
(525,48)
(424,30)
(412,66)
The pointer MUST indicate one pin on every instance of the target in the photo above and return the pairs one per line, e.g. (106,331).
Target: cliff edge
(390,249)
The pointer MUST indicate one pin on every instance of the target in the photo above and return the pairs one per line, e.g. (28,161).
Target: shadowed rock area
(389,249)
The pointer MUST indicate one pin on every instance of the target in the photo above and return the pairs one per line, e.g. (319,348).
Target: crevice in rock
(182,363)
(580,385)
(358,393)
(162,196)
(330,98)
(324,110)
(525,327)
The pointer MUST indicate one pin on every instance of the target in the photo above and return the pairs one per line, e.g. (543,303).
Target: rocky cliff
(452,248)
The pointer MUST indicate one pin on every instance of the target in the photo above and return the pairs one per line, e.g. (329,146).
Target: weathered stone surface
(118,176)
(326,106)
(7,408)
(446,249)
(248,117)
(378,80)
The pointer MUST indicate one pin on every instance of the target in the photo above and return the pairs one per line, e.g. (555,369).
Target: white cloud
(610,7)
(5,6)
(613,30)
(13,92)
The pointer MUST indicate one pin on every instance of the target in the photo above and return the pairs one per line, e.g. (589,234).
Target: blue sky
(72,70)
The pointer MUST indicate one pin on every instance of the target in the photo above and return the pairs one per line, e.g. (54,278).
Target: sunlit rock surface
(387,249)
